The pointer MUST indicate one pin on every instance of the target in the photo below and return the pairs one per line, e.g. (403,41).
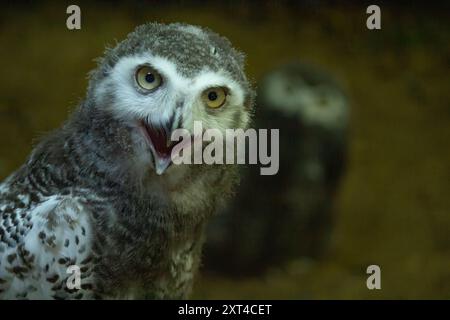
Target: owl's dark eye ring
(214,97)
(148,78)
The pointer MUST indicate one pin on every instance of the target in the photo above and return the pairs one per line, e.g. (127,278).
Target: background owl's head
(165,77)
(305,92)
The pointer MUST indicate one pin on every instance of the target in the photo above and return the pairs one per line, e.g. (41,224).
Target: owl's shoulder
(40,238)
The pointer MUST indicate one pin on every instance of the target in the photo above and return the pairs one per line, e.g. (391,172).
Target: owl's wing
(44,247)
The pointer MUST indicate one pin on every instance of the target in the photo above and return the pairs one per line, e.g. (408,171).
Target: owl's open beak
(158,138)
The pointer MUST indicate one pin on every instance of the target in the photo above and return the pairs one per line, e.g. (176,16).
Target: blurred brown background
(394,205)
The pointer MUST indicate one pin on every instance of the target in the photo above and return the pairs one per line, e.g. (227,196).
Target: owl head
(305,92)
(162,78)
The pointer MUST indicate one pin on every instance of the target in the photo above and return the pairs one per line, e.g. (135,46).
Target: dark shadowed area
(393,206)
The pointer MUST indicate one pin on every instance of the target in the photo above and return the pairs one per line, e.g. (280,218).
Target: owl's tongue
(161,141)
(162,146)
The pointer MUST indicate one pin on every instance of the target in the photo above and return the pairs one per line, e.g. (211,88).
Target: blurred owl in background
(274,219)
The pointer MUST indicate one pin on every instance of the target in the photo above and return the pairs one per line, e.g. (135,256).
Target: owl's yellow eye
(147,78)
(214,97)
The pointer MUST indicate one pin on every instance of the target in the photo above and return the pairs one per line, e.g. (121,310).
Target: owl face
(308,94)
(156,87)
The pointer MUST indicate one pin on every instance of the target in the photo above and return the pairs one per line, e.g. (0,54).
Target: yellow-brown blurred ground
(394,206)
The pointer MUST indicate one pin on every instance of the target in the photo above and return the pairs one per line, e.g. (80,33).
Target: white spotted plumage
(40,239)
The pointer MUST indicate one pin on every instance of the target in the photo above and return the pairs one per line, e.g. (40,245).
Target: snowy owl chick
(99,196)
